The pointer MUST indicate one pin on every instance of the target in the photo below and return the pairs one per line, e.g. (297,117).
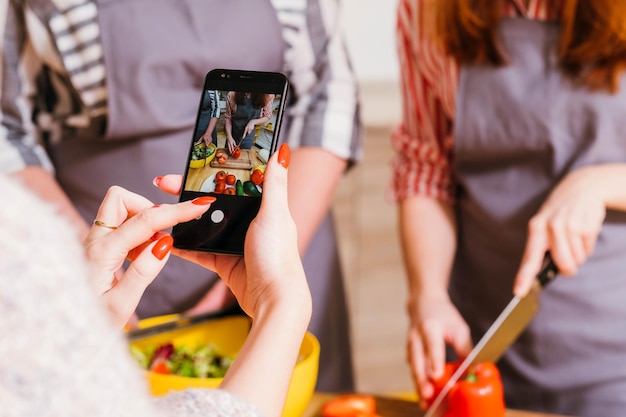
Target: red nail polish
(154,237)
(156,181)
(203,201)
(156,205)
(284,155)
(162,247)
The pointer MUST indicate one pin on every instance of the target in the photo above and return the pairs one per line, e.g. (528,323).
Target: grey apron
(157,53)
(518,131)
(244,113)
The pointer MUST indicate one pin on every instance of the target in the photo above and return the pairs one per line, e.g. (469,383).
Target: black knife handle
(548,271)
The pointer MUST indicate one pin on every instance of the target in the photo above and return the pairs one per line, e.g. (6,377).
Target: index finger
(536,247)
(147,222)
(117,206)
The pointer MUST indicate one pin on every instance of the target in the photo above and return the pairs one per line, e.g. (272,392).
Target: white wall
(369,26)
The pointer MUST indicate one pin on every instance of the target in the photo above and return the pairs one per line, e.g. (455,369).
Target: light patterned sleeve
(324,107)
(423,140)
(19,147)
(214,97)
(197,402)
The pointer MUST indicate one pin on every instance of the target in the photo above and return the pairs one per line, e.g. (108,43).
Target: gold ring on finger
(103,224)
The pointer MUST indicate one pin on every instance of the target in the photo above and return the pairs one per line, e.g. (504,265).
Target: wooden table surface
(388,406)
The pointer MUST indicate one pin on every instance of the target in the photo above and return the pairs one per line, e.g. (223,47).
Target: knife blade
(181,323)
(501,334)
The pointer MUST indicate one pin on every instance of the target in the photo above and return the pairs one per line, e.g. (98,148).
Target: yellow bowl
(199,163)
(228,335)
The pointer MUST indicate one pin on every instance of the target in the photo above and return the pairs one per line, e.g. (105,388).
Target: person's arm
(424,189)
(569,221)
(21,156)
(314,175)
(271,287)
(214,105)
(231,107)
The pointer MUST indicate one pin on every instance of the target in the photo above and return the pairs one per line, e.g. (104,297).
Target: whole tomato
(257,177)
(220,176)
(231,179)
(236,153)
(350,405)
(220,187)
(230,191)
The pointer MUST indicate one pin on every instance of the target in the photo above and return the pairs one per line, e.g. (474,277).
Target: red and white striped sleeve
(423,140)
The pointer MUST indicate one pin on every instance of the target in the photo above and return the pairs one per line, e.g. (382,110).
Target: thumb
(275,183)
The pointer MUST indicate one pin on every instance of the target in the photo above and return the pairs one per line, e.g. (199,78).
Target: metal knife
(501,334)
(181,323)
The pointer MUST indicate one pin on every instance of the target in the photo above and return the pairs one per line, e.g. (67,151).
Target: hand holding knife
(501,334)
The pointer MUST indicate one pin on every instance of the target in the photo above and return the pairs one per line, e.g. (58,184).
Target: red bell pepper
(479,393)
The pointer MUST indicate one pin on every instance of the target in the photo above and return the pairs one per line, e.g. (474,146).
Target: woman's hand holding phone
(270,271)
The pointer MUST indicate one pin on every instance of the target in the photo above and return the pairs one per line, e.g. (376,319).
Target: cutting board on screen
(243,162)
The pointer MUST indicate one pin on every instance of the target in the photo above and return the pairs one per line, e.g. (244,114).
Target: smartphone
(237,128)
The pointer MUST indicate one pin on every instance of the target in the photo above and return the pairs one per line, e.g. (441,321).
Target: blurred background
(365,217)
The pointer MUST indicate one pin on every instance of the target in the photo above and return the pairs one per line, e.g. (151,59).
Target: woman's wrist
(607,179)
(291,306)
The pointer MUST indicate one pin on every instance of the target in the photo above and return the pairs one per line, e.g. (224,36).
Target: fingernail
(162,247)
(156,181)
(284,155)
(203,201)
(156,205)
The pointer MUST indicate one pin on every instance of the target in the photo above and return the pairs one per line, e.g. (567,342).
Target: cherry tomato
(231,179)
(220,176)
(350,405)
(220,187)
(236,153)
(257,177)
(230,191)
(160,367)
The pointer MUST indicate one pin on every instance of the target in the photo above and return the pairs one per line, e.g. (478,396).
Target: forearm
(610,179)
(43,183)
(211,126)
(260,120)
(428,235)
(314,174)
(270,352)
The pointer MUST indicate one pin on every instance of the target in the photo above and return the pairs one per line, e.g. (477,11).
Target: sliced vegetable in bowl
(201,361)
(201,155)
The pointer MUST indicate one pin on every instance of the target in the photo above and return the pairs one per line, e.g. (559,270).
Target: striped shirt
(423,141)
(53,76)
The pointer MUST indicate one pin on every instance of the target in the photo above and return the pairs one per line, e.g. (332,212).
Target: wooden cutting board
(243,162)
(396,407)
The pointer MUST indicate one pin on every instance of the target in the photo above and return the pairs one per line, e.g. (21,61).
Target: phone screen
(236,131)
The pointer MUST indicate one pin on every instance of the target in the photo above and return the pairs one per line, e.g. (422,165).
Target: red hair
(592,46)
